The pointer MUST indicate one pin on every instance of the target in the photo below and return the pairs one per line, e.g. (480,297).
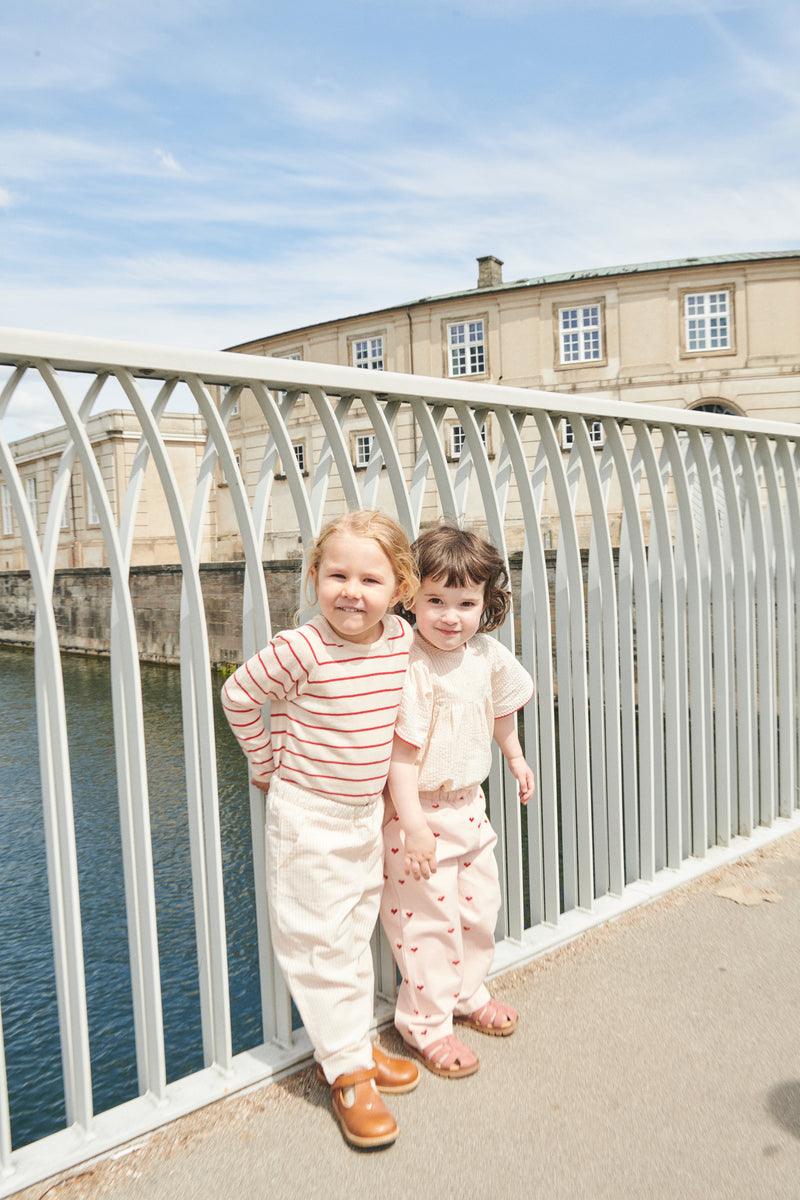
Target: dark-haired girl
(441,890)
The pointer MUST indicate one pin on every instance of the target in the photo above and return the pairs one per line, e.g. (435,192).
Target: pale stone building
(114,437)
(721,333)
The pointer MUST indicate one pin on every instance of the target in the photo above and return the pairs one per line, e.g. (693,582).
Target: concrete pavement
(657,1056)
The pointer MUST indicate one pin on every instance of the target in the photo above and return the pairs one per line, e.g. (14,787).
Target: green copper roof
(543,280)
(628,269)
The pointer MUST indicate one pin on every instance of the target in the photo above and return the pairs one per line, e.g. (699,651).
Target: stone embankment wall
(82,605)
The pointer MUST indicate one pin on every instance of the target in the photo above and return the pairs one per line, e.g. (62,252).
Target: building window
(707,321)
(368,353)
(362,449)
(597,435)
(579,334)
(466,348)
(716,406)
(92,515)
(299,449)
(65,509)
(457,437)
(8,514)
(33,505)
(281,394)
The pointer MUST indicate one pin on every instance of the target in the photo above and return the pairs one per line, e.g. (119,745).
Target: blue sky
(200,172)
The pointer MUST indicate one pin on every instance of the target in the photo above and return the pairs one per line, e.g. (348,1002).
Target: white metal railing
(664,645)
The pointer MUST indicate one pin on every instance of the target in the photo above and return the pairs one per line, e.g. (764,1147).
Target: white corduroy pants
(324,879)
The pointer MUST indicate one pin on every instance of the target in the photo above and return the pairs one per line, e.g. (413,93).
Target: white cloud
(169,162)
(37,155)
(496,9)
(776,74)
(331,173)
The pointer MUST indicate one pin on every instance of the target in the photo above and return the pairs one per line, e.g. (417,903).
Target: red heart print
(468,897)
(408,914)
(456,961)
(414,949)
(451,930)
(440,899)
(394,912)
(469,864)
(420,987)
(395,849)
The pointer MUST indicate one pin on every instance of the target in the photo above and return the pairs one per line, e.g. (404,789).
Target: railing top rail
(70,352)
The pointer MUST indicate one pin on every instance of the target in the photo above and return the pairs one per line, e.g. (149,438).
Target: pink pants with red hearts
(441,929)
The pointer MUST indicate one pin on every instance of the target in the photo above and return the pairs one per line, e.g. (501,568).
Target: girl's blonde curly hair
(387,533)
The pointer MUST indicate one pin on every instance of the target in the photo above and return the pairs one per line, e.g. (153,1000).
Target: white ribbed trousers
(324,877)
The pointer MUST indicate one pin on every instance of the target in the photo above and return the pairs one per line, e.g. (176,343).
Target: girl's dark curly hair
(460,558)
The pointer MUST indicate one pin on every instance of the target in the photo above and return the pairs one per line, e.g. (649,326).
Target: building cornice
(752,256)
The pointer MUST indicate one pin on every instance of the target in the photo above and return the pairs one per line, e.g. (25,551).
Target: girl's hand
(261,784)
(524,777)
(420,858)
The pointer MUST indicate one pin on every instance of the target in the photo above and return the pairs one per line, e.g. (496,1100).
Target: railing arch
(657,592)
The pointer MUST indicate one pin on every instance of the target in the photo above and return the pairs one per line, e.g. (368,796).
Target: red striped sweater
(333,708)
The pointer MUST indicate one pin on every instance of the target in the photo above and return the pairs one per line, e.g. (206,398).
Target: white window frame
(363,447)
(33,500)
(299,451)
(597,434)
(466,347)
(8,511)
(368,352)
(580,334)
(65,510)
(707,321)
(92,515)
(300,456)
(456,438)
(281,393)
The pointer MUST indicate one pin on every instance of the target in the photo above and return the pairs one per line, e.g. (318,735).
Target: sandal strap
(363,1076)
(495,1009)
(447,1051)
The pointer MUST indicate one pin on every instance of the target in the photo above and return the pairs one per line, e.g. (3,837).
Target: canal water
(27,978)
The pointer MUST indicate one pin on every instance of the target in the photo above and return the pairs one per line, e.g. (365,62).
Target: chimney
(490,271)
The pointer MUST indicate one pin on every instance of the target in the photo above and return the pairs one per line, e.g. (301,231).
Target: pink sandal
(447,1057)
(485,1019)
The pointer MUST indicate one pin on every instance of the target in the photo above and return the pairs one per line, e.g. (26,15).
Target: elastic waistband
(452,796)
(319,802)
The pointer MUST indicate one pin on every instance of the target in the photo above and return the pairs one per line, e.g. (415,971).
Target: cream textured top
(333,708)
(450,703)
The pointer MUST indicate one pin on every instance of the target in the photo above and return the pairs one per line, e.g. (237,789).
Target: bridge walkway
(657,1056)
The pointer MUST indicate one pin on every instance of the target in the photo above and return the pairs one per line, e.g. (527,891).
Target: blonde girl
(442,894)
(334,686)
